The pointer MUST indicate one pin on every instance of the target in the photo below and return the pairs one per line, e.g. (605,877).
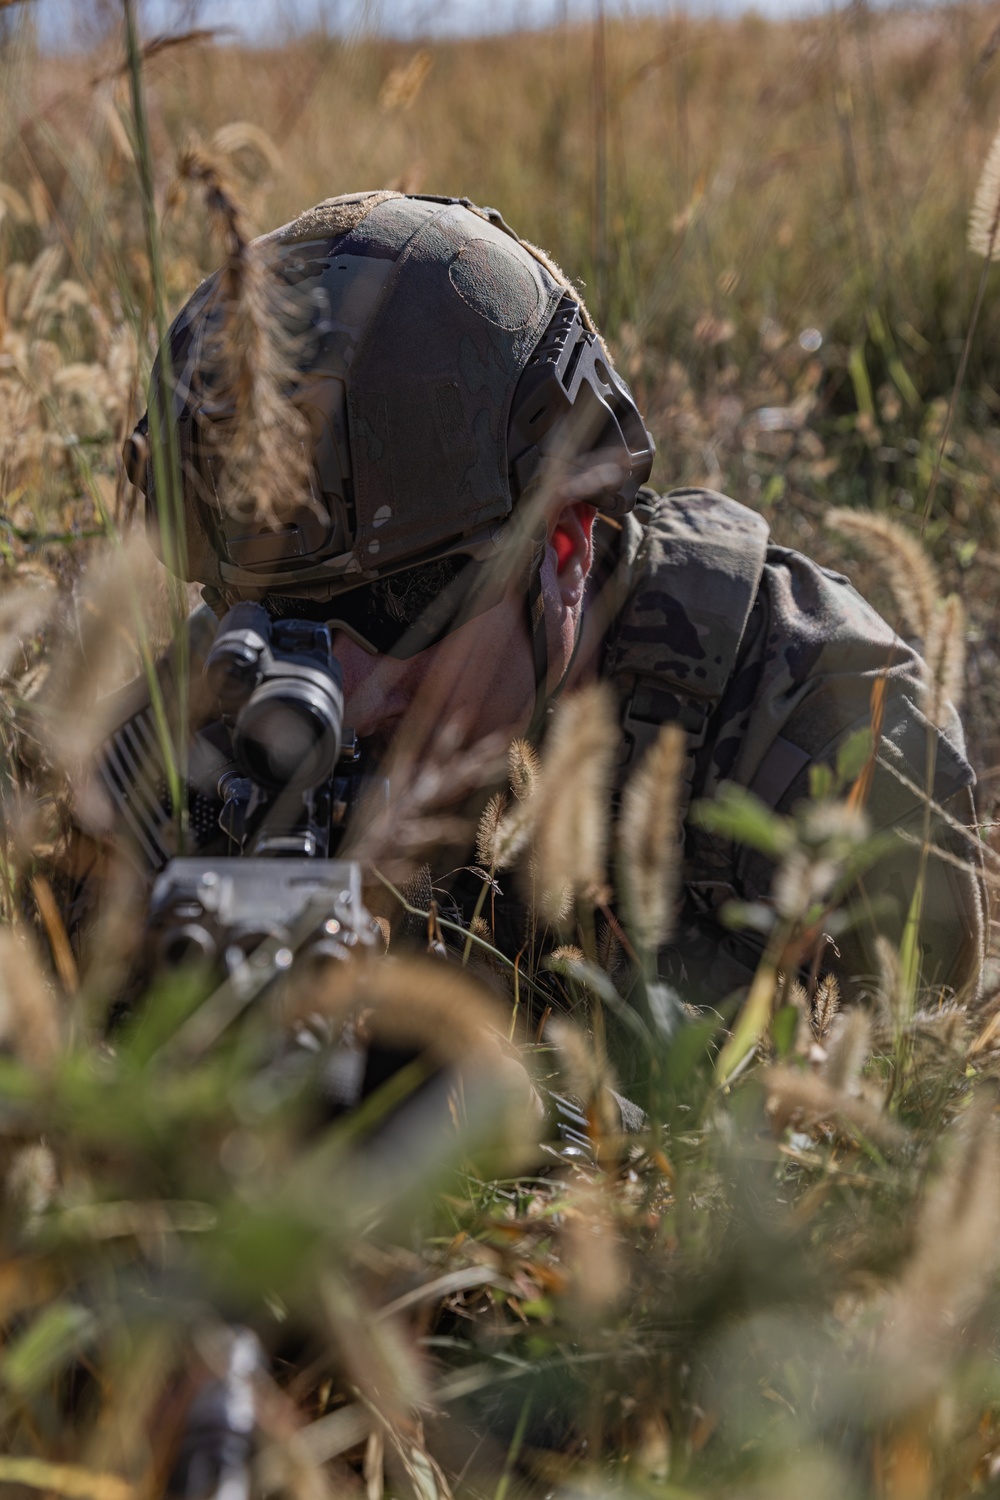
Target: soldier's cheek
(373,686)
(571,586)
(563,576)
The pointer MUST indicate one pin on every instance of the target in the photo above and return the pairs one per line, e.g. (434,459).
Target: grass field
(727,195)
(790,1285)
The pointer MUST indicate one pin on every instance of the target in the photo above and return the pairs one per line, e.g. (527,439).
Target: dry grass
(789,284)
(788,1283)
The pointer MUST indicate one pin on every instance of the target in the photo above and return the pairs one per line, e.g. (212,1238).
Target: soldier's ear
(571,539)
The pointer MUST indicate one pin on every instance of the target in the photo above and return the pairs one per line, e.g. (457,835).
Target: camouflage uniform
(440,364)
(768,661)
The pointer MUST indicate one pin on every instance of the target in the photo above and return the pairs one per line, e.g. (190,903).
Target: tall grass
(786,1283)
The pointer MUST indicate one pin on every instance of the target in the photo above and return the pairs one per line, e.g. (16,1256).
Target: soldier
(473,524)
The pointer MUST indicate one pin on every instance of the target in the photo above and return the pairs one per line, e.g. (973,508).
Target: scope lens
(288,736)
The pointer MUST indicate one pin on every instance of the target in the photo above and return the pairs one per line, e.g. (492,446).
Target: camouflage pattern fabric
(769,660)
(408,322)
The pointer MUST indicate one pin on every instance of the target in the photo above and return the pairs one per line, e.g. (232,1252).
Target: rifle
(267,889)
(272,781)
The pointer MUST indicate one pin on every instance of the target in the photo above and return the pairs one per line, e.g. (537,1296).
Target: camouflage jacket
(768,661)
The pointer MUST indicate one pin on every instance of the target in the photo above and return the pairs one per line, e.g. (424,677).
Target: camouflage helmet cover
(412,321)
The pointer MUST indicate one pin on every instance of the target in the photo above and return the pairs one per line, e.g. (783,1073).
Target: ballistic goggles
(406,612)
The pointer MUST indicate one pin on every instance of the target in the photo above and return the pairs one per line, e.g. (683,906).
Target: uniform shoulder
(693,585)
(701,512)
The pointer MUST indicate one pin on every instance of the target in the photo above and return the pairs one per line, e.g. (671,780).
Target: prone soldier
(472,523)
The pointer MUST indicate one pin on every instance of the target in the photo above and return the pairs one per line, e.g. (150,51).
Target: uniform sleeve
(953,911)
(803,687)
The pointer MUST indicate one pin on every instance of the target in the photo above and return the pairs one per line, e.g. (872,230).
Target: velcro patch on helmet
(490,281)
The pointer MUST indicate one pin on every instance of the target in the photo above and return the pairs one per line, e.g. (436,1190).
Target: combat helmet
(439,362)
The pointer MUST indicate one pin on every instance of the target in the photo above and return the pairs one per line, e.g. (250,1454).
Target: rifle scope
(281,691)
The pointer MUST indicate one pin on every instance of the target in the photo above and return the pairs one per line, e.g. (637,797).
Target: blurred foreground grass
(788,1285)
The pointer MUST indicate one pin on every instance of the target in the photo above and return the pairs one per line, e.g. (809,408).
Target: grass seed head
(588,1073)
(904,563)
(650,839)
(889,994)
(513,835)
(119,598)
(825,1006)
(572,801)
(796,1096)
(26,296)
(799,881)
(502,835)
(402,85)
(263,448)
(415,1003)
(23,611)
(945,651)
(489,826)
(984,219)
(523,768)
(847,1051)
(12,202)
(610,953)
